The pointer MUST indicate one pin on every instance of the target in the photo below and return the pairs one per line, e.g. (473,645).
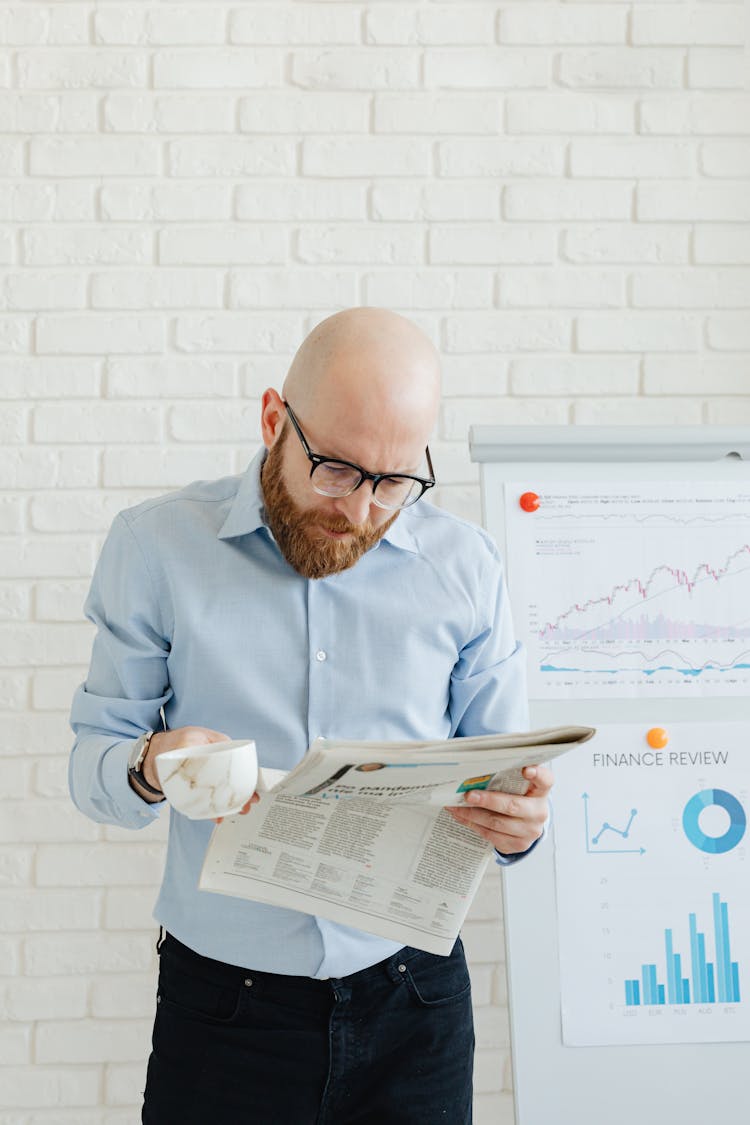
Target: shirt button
(320,655)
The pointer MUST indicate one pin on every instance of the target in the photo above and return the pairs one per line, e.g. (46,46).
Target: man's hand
(510,823)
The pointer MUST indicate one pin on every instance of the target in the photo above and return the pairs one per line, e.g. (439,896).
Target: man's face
(317,535)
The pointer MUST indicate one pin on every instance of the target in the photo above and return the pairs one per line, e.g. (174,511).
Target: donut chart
(715,845)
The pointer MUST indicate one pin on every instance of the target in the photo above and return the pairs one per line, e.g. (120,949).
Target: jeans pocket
(195,997)
(434,981)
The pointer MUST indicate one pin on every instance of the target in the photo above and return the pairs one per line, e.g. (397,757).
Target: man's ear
(272,417)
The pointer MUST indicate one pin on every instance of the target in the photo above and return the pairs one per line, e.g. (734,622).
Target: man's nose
(356,506)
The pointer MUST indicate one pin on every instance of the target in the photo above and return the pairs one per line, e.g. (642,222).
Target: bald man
(317,594)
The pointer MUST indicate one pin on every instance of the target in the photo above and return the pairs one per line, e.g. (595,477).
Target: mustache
(337,524)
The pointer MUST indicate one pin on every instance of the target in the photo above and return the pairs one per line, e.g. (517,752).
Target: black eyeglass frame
(317,459)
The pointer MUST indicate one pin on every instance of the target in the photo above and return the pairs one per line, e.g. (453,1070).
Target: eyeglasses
(331,477)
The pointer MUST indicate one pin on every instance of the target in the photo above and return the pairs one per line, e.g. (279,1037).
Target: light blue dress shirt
(198,612)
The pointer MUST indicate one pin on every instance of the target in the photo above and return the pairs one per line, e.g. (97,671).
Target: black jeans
(390,1045)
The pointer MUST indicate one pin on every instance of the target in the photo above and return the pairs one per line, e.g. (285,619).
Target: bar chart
(709,982)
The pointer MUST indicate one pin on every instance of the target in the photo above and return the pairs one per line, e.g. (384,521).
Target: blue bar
(629,993)
(636,992)
(736,982)
(721,974)
(711,997)
(727,955)
(661,994)
(705,974)
(686,991)
(653,986)
(646,985)
(671,982)
(695,960)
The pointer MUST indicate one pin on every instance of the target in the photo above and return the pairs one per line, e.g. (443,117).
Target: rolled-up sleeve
(126,685)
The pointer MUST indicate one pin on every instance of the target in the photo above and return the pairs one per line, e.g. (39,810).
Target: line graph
(633,591)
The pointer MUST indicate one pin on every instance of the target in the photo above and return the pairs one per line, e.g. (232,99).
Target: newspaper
(358,832)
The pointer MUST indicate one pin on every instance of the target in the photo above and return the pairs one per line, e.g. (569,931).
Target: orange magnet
(657,738)
(529,501)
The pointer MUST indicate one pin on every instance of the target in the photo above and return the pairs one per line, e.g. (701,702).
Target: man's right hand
(171,740)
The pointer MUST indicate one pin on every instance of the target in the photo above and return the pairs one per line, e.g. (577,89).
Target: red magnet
(529,501)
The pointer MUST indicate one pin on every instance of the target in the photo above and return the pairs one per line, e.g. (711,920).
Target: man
(314,595)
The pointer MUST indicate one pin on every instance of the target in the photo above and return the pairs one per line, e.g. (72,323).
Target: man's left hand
(510,823)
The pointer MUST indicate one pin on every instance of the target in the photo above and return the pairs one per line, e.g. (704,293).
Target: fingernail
(473,798)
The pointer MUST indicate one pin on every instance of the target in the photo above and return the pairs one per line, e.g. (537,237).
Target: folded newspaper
(358,832)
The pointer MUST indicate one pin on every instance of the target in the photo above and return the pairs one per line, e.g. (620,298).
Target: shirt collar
(247,514)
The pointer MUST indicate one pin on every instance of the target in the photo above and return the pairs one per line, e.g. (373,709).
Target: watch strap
(136,770)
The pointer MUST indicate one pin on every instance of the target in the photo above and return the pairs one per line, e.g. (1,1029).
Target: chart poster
(631,590)
(651,871)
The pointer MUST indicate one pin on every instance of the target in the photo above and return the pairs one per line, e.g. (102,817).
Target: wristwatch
(135,763)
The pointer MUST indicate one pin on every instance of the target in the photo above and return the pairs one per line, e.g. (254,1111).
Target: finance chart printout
(632,590)
(651,868)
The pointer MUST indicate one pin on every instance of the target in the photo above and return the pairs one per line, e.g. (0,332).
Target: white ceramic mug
(203,782)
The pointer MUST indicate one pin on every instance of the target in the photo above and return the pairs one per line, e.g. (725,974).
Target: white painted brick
(15,336)
(32,558)
(43,645)
(123,1083)
(462,501)
(367,156)
(221,245)
(78,511)
(730,332)
(295,111)
(487,904)
(99,422)
(167,378)
(129,908)
(12,509)
(696,375)
(303,289)
(500,158)
(127,996)
(97,334)
(232,68)
(184,114)
(94,156)
(92,1041)
(506,332)
(288,24)
(15,1045)
(14,424)
(483,942)
(728,202)
(14,601)
(494,1109)
(490,244)
(494,68)
(710,114)
(561,288)
(301,200)
(214,423)
(7,245)
(436,113)
(170,26)
(35,1087)
(563,199)
(80,954)
(728,411)
(452,460)
(51,775)
(11,156)
(47,910)
(81,70)
(620,243)
(636,411)
(5,72)
(78,113)
(725,68)
(29,113)
(76,246)
(693,289)
(236,332)
(638,332)
(14,687)
(130,113)
(19,203)
(361,245)
(489,1070)
(166,289)
(641,158)
(433,199)
(694,23)
(575,375)
(37,290)
(75,202)
(361,68)
(481,984)
(428,289)
(563,112)
(258,373)
(722,245)
(613,68)
(15,871)
(169,202)
(36,734)
(563,23)
(500,995)
(231,156)
(726,158)
(36,25)
(394,24)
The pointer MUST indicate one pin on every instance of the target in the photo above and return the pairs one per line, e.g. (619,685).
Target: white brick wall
(559,192)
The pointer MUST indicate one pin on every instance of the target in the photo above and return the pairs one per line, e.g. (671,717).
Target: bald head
(372,360)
